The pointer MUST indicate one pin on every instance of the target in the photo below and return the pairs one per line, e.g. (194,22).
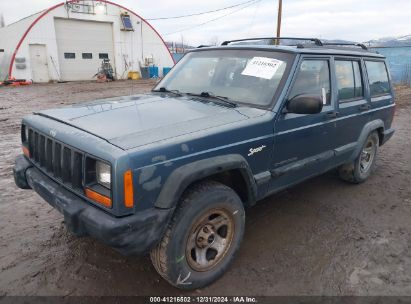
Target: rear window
(378,78)
(349,80)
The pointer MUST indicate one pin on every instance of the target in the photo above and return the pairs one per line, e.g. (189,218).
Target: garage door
(82,45)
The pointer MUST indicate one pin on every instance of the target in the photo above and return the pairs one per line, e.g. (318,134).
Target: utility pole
(280,11)
(2,23)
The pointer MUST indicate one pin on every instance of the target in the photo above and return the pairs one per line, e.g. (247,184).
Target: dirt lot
(323,237)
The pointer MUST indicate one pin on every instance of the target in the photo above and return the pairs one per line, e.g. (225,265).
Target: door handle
(364,107)
(332,114)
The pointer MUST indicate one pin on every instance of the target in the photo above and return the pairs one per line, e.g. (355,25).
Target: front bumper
(131,235)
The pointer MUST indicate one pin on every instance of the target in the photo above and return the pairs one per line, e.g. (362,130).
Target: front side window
(378,78)
(349,81)
(244,76)
(313,78)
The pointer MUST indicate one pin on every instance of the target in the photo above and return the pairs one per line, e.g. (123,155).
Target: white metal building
(68,42)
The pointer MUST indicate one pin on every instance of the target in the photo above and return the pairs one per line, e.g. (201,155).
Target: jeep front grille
(59,161)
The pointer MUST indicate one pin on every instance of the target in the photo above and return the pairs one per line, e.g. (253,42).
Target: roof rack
(361,45)
(316,41)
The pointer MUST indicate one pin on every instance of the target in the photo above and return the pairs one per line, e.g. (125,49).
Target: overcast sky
(359,20)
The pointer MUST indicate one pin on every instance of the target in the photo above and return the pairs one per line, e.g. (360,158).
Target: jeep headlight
(103,174)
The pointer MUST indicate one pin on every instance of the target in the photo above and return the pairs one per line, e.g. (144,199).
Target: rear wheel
(362,167)
(202,238)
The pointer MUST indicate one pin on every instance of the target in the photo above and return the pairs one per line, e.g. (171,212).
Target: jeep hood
(133,121)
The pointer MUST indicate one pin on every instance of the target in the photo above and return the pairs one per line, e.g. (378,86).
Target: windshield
(245,76)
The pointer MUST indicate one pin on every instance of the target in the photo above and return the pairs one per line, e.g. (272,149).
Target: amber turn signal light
(128,189)
(26,151)
(97,197)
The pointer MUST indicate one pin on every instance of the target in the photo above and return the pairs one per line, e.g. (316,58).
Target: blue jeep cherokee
(171,172)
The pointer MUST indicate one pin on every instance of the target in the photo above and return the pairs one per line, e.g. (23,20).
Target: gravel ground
(322,237)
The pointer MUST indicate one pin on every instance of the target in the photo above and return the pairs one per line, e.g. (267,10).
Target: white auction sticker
(262,67)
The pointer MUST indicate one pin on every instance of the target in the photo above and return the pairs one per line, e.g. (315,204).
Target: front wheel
(202,238)
(362,167)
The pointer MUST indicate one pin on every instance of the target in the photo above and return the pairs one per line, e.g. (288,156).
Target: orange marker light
(26,151)
(104,200)
(128,189)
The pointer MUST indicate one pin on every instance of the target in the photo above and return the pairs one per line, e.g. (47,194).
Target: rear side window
(313,78)
(378,78)
(349,80)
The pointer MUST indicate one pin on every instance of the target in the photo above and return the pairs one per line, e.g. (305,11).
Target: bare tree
(182,44)
(2,24)
(214,41)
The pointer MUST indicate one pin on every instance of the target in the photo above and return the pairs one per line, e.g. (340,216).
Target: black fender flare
(367,129)
(182,177)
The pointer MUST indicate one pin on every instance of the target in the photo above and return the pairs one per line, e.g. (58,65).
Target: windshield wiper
(165,90)
(226,101)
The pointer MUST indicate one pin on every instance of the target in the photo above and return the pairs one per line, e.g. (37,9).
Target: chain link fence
(406,75)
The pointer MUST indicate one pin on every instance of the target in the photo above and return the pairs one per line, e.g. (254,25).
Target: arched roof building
(68,42)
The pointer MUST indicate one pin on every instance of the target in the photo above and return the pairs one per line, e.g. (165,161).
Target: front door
(39,63)
(303,143)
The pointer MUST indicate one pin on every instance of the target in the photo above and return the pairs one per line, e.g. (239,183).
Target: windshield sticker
(262,67)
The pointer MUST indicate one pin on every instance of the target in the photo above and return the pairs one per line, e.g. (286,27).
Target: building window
(349,80)
(103,56)
(87,56)
(127,25)
(378,78)
(70,55)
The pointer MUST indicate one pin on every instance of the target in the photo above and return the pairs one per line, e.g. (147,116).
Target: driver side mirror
(305,104)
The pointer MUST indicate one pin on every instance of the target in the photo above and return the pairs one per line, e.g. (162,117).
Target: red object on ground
(101,77)
(21,83)
(16,82)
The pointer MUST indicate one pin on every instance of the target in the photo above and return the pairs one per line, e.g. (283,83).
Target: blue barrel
(153,71)
(145,73)
(165,71)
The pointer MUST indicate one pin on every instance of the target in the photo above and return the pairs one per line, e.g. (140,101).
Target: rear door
(303,144)
(353,104)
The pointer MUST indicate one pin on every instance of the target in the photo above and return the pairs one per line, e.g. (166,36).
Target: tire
(190,256)
(361,168)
